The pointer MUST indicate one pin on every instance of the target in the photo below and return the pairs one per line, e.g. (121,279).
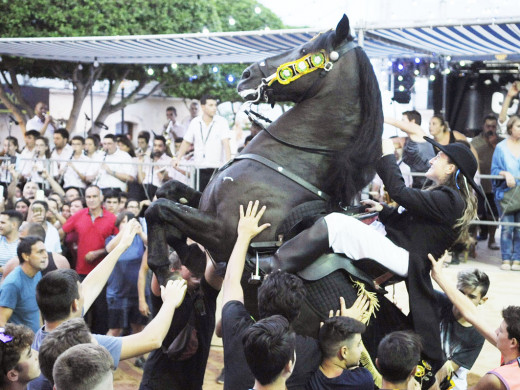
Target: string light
(150,71)
(231,21)
(214,69)
(205,30)
(230,78)
(258,10)
(165,69)
(174,65)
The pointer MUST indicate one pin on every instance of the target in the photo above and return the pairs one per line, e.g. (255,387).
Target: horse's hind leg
(169,223)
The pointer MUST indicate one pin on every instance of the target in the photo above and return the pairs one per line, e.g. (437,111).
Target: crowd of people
(77,297)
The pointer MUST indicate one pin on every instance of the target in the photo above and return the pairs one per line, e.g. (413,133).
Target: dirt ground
(503,291)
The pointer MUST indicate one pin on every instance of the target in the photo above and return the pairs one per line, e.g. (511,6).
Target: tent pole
(444,66)
(92,100)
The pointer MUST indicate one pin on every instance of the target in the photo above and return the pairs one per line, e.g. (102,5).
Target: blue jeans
(509,236)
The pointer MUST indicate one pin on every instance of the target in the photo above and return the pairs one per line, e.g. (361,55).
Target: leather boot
(300,251)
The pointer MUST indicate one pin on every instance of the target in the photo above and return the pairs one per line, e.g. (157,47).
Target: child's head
(397,356)
(269,346)
(18,361)
(340,339)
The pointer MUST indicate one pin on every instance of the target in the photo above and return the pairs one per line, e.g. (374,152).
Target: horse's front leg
(170,223)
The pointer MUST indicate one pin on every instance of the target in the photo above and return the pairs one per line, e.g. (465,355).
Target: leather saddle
(365,270)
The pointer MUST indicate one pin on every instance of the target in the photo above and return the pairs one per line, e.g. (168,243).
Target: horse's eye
(304,51)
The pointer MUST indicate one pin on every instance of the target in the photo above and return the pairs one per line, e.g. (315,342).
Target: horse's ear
(342,30)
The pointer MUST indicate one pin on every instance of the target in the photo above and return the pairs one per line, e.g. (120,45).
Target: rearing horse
(322,149)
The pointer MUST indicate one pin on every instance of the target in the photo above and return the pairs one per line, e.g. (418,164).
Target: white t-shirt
(207,141)
(70,177)
(52,239)
(25,163)
(36,123)
(165,160)
(112,160)
(65,154)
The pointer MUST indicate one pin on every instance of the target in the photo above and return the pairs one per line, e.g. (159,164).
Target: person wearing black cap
(427,221)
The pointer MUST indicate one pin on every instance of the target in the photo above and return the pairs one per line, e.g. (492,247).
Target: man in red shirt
(93,225)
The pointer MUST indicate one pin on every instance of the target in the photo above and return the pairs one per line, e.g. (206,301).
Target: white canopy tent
(480,40)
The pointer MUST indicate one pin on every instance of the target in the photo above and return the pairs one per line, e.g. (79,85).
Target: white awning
(472,41)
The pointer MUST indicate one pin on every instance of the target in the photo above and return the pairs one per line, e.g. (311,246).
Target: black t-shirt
(460,343)
(237,375)
(357,379)
(162,373)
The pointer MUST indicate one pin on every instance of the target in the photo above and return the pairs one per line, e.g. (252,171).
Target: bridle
(293,70)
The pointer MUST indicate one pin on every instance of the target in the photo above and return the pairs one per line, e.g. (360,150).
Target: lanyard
(207,136)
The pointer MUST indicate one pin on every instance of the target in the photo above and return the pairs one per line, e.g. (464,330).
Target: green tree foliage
(182,82)
(64,18)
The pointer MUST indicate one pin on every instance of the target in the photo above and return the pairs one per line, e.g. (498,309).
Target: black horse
(315,157)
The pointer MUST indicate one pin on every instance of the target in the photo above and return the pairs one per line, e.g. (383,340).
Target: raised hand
(129,231)
(438,265)
(174,290)
(356,311)
(248,223)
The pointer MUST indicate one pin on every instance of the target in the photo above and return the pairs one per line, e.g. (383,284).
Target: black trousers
(97,316)
(204,177)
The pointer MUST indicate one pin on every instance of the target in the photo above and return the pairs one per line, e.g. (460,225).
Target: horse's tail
(355,166)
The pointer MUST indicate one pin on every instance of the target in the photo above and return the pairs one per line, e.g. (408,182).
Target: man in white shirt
(112,174)
(194,112)
(172,127)
(153,176)
(209,134)
(25,161)
(10,221)
(62,151)
(75,172)
(41,122)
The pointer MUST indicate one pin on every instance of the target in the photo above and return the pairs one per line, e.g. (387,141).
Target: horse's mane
(355,164)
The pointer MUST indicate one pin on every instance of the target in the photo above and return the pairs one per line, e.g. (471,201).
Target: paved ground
(503,291)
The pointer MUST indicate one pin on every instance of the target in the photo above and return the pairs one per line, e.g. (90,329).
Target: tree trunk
(18,114)
(109,108)
(83,80)
(17,92)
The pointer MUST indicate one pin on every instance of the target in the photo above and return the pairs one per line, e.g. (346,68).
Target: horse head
(291,76)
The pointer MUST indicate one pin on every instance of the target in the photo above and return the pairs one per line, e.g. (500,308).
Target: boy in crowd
(18,362)
(61,296)
(506,337)
(461,342)
(269,348)
(397,357)
(340,344)
(84,367)
(17,294)
(280,294)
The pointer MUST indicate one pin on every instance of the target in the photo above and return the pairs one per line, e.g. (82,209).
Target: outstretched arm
(98,277)
(247,229)
(467,309)
(513,91)
(152,336)
(414,131)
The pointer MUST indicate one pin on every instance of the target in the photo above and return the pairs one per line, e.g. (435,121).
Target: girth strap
(281,170)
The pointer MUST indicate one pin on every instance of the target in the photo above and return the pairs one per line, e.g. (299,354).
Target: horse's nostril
(246,74)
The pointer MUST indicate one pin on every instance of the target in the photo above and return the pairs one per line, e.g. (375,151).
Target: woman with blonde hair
(506,163)
(426,221)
